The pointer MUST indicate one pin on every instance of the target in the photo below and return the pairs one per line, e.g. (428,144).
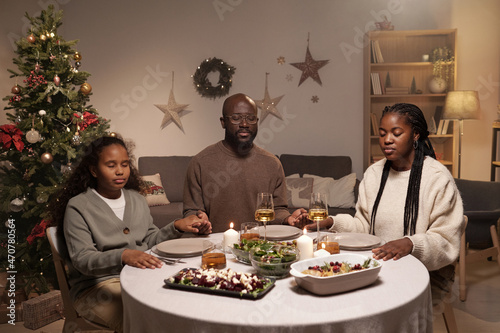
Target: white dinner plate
(181,247)
(280,232)
(356,241)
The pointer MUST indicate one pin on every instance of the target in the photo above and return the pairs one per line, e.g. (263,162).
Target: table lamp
(461,105)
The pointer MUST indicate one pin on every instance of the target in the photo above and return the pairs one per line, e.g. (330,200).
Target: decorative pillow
(299,191)
(340,192)
(155,193)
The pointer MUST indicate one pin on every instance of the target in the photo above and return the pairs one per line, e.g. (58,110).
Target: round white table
(399,301)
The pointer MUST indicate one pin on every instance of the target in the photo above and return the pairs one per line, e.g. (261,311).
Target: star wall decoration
(310,67)
(315,99)
(281,60)
(172,109)
(268,104)
(289,77)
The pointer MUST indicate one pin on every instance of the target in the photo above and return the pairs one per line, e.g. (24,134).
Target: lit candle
(231,236)
(305,246)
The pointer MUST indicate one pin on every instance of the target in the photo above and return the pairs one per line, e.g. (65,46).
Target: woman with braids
(106,224)
(408,199)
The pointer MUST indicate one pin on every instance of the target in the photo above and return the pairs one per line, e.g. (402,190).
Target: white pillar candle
(305,246)
(231,236)
(321,253)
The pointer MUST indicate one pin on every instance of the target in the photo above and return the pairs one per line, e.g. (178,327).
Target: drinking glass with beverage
(265,209)
(212,256)
(329,243)
(249,231)
(318,209)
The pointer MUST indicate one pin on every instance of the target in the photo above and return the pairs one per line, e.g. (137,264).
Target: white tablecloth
(399,301)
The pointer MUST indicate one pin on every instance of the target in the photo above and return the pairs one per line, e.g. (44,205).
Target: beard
(240,145)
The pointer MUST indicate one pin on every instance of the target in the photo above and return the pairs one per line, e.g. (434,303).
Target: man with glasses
(223,179)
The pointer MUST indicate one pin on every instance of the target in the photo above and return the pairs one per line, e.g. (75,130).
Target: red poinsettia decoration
(11,134)
(86,119)
(38,231)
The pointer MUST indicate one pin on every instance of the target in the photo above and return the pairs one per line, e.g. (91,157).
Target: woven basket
(42,310)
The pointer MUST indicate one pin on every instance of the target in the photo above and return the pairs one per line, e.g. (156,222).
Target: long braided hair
(423,147)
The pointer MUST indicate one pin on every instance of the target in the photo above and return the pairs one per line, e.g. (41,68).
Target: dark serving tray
(220,292)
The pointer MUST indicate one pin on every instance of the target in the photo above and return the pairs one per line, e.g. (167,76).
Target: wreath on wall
(204,87)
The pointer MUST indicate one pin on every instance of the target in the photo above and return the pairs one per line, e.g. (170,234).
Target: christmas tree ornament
(76,139)
(16,90)
(16,205)
(52,57)
(78,64)
(31,38)
(42,113)
(112,134)
(268,104)
(43,37)
(47,158)
(310,67)
(172,109)
(85,88)
(33,136)
(77,56)
(65,56)
(50,34)
(57,80)
(18,119)
(37,67)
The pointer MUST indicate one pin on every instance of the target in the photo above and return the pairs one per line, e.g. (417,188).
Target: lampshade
(461,104)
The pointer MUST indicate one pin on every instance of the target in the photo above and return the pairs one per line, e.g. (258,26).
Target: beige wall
(122,42)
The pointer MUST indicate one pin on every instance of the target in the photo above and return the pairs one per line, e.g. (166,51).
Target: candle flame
(231,225)
(323,246)
(305,231)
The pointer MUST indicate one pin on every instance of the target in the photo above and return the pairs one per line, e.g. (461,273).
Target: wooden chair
(448,314)
(466,257)
(73,321)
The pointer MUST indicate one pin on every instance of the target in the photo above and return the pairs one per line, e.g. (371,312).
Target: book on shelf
(440,127)
(377,89)
(376,54)
(373,118)
(446,125)
(438,115)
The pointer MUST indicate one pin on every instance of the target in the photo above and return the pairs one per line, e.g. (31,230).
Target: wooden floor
(479,314)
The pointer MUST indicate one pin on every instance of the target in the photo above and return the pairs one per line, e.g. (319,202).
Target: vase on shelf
(437,85)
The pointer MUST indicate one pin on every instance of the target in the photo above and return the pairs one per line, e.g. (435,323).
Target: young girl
(107,224)
(409,199)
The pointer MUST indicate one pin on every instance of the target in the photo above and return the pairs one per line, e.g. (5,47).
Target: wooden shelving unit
(402,52)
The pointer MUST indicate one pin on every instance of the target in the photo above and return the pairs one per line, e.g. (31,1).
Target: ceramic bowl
(336,283)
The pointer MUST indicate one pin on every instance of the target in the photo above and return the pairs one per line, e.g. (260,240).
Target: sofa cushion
(172,170)
(299,191)
(340,192)
(155,193)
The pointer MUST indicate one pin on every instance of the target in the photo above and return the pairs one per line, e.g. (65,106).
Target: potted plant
(443,61)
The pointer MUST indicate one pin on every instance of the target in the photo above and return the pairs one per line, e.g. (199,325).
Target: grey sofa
(172,170)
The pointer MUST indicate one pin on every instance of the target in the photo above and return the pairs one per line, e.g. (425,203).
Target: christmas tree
(50,123)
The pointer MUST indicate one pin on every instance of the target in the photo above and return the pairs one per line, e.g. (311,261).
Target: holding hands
(197,224)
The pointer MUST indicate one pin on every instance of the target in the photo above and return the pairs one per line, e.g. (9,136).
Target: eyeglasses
(238,119)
